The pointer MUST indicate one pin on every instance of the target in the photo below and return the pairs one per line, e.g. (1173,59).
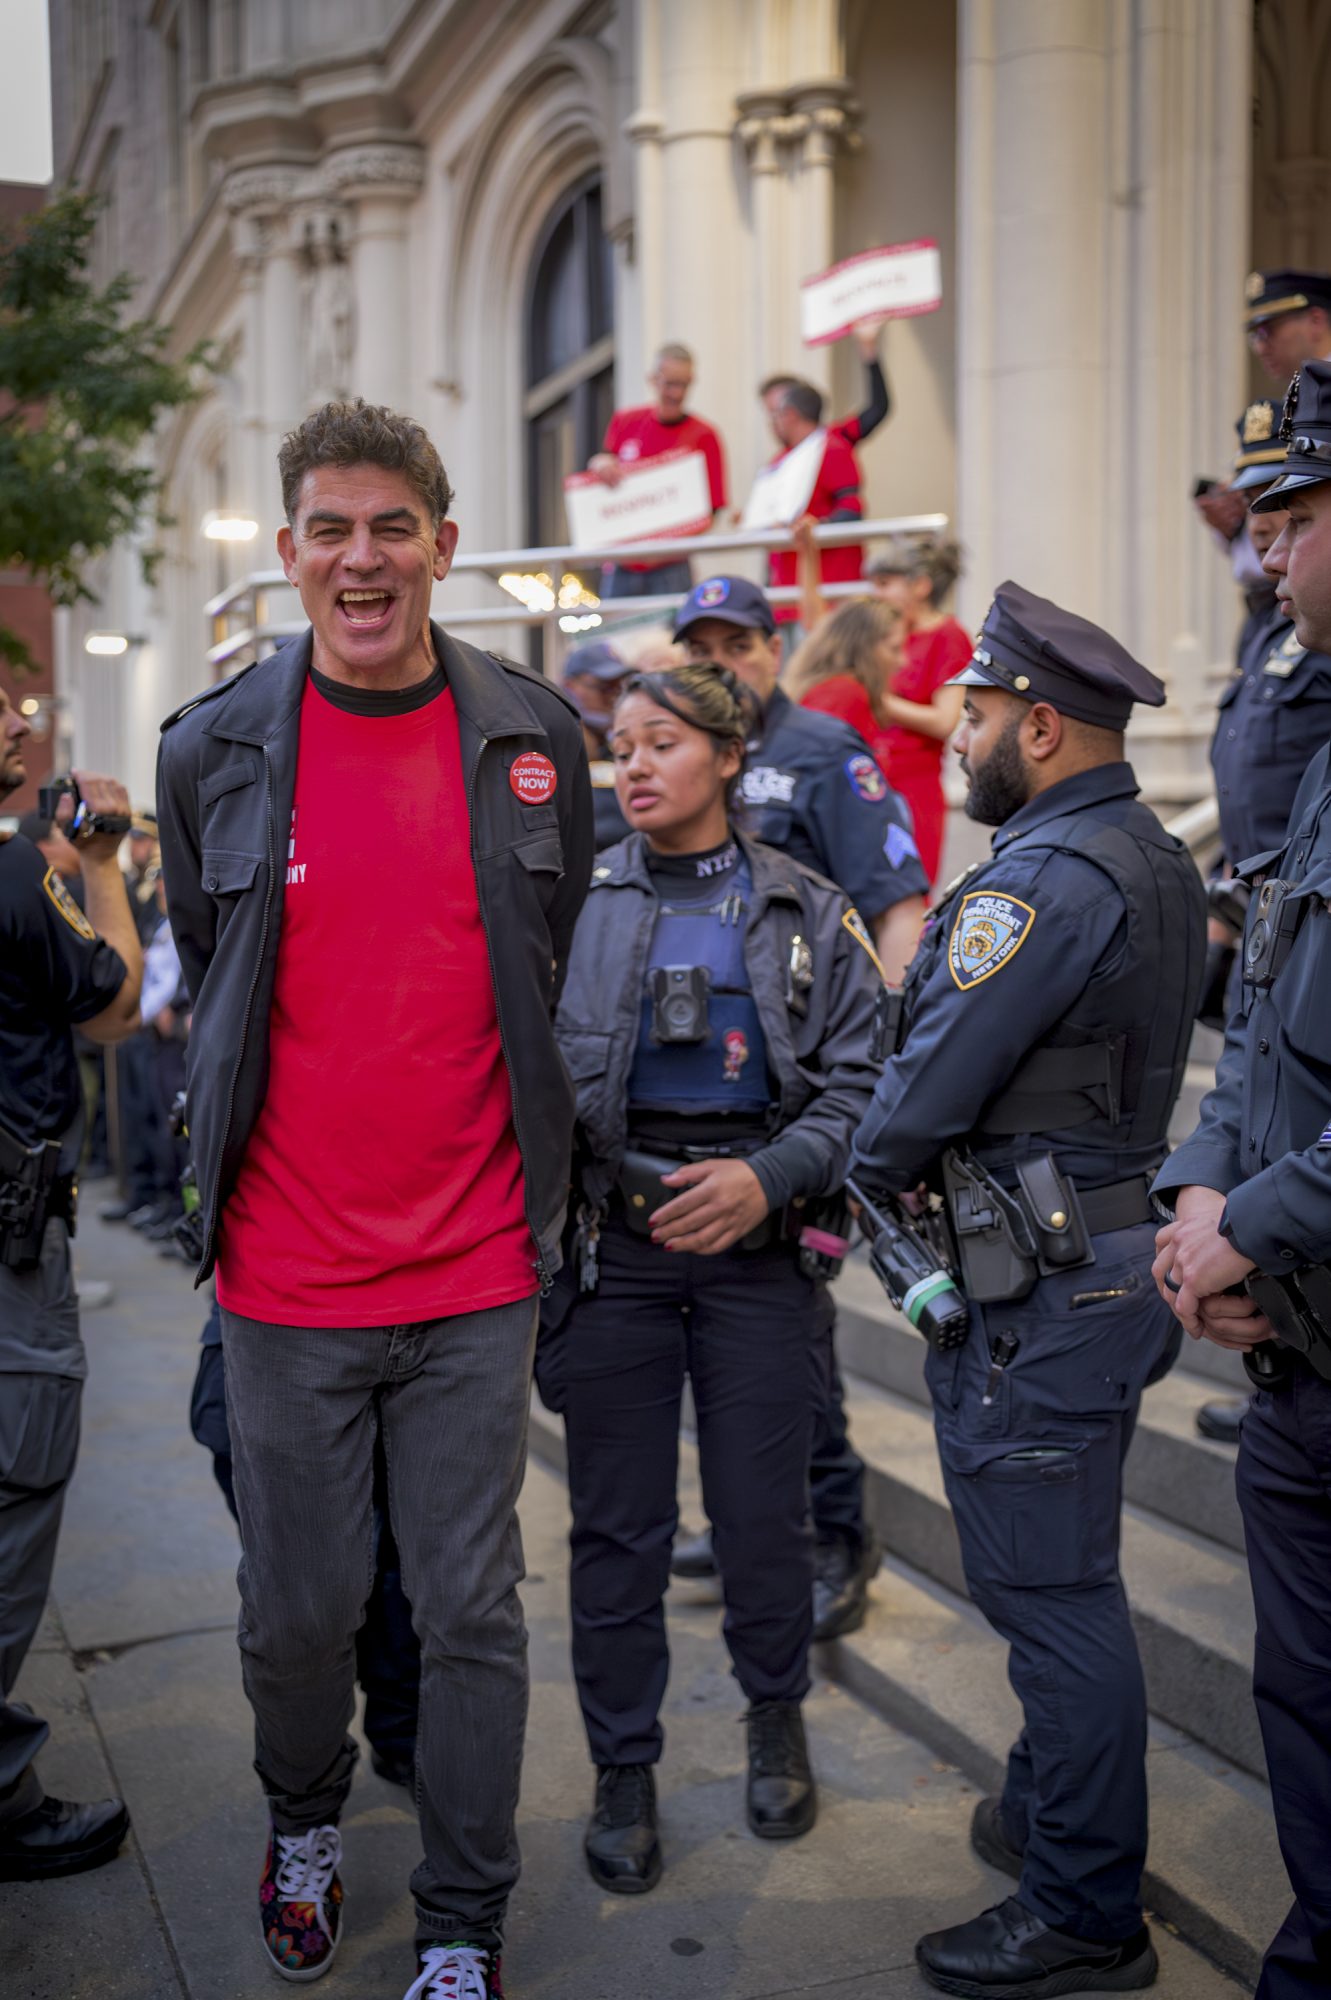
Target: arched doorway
(570,354)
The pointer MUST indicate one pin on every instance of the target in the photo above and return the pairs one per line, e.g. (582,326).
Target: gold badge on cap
(1254,285)
(1258,423)
(1021,683)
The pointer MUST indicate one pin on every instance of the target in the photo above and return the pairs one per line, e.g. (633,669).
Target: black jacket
(226,778)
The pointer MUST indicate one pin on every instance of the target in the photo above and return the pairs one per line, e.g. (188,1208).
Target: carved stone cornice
(814,118)
(381,169)
(262,188)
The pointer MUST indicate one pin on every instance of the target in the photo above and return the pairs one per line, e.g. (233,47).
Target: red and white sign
(782,491)
(533,778)
(665,496)
(894,282)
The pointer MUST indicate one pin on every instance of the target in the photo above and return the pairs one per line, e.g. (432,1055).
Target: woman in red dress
(845,666)
(920,710)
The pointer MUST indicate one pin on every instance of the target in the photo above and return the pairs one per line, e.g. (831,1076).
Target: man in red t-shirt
(795,411)
(650,431)
(381,1128)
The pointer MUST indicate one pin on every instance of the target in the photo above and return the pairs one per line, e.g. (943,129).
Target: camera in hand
(909,1269)
(83,823)
(678,995)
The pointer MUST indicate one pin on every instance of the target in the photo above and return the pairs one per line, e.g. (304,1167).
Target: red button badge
(533,777)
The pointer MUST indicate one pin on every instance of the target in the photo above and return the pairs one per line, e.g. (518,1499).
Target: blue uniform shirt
(1013,945)
(1275,715)
(811,788)
(1264,1137)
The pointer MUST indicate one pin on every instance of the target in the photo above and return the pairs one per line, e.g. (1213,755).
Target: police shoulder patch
(987,933)
(899,847)
(866,778)
(66,905)
(853,922)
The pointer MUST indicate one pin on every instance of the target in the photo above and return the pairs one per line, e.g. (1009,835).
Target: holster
(1298,1306)
(30,1193)
(996,1251)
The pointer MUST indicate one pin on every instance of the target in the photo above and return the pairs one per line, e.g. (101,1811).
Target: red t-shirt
(842,695)
(928,659)
(633,436)
(382,1183)
(836,491)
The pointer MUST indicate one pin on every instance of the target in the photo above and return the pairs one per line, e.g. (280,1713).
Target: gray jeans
(451,1396)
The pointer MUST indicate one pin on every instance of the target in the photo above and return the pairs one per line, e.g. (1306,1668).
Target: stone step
(927,1661)
(1170,1470)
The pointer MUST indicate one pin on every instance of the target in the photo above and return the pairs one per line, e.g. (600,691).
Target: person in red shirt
(847,666)
(921,710)
(650,431)
(381,1129)
(795,411)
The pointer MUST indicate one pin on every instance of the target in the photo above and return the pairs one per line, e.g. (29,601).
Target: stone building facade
(491,212)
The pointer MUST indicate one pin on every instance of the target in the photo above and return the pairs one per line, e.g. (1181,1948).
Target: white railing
(243,621)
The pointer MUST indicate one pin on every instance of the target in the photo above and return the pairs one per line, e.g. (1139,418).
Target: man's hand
(867,333)
(100,795)
(1194,1262)
(1232,1320)
(1222,509)
(721,1201)
(606,467)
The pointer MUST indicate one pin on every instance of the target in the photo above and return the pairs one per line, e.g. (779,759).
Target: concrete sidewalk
(137,1671)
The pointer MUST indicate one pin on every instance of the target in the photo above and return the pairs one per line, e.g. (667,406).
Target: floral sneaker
(300,1901)
(456,1972)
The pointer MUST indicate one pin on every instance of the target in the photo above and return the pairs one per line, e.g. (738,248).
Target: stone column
(1102,196)
(261,201)
(379,183)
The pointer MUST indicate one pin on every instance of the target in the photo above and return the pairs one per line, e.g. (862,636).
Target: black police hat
(1305,432)
(1259,445)
(733,599)
(1031,647)
(1270,293)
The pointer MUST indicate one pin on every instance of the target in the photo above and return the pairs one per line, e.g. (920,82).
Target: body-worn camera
(679,1002)
(83,822)
(1273,925)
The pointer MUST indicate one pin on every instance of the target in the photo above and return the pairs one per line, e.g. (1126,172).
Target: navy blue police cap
(1032,648)
(1305,433)
(599,659)
(1270,293)
(733,599)
(1260,448)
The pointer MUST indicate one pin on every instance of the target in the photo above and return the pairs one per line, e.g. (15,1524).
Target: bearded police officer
(811,789)
(1247,1261)
(1046,1027)
(58,967)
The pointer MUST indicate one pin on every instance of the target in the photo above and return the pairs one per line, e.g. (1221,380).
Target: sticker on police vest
(899,846)
(988,933)
(533,777)
(66,905)
(866,780)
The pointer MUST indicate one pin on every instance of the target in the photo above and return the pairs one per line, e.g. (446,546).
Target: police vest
(1117,1058)
(727,1069)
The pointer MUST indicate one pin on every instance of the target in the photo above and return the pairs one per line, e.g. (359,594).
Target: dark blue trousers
(836,1470)
(751,1332)
(1032,1461)
(1284,1486)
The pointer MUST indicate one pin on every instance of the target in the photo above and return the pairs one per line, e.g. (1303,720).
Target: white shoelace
(306,1864)
(451,1972)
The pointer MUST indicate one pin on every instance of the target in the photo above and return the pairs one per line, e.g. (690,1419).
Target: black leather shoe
(694,1556)
(57,1838)
(841,1574)
(151,1214)
(116,1211)
(990,1839)
(781,1799)
(623,1852)
(1221,1422)
(1008,1952)
(393,1768)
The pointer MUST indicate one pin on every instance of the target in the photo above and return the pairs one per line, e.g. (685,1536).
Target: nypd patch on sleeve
(66,905)
(987,934)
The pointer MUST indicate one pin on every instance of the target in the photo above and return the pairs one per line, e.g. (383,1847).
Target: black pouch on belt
(640,1184)
(1062,1242)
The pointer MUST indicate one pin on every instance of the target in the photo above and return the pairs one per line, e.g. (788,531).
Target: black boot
(57,1838)
(1222,1421)
(841,1574)
(623,1852)
(694,1556)
(991,1840)
(1007,1951)
(781,1799)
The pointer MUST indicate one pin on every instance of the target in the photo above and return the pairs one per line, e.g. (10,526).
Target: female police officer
(716,1022)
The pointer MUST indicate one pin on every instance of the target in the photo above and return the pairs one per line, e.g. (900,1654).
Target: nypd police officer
(811,788)
(716,1022)
(60,966)
(1047,1016)
(1247,1261)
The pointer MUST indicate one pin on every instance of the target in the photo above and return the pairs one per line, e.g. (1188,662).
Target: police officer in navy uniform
(716,1022)
(60,966)
(593,676)
(1046,1026)
(1247,1261)
(811,788)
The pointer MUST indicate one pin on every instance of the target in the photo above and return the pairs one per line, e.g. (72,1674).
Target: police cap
(1270,293)
(733,599)
(599,659)
(1259,445)
(1032,648)
(1305,433)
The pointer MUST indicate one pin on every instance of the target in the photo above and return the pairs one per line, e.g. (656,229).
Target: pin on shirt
(532,778)
(736,1046)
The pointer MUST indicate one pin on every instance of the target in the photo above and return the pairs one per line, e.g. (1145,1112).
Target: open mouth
(365,610)
(640,801)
